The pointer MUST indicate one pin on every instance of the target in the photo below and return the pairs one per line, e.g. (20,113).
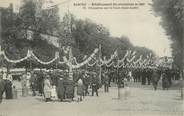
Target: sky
(140,25)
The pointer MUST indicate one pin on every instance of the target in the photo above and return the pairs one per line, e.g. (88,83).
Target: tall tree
(15,28)
(172,13)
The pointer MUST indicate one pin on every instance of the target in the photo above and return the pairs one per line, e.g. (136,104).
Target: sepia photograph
(91,57)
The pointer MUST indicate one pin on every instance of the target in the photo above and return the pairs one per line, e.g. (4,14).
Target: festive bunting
(46,63)
(78,65)
(125,56)
(29,54)
(126,62)
(92,63)
(16,61)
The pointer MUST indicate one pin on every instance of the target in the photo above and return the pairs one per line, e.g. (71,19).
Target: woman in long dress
(80,89)
(25,88)
(47,89)
(53,93)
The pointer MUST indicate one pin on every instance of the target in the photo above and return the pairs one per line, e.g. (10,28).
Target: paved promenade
(142,101)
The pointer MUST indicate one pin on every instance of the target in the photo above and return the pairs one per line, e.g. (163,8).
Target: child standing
(126,92)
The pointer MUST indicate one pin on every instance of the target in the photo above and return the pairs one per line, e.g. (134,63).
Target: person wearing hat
(33,84)
(24,85)
(95,84)
(86,82)
(2,86)
(80,89)
(47,89)
(155,78)
(60,89)
(40,81)
(165,81)
(8,87)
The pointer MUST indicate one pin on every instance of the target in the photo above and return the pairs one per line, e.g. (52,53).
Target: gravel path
(141,101)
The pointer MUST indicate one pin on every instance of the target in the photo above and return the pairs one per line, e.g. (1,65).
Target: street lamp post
(100,70)
(182,67)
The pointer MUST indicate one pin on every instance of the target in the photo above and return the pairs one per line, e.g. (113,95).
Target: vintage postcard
(91,57)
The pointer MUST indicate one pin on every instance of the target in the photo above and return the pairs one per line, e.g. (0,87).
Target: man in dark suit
(60,89)
(2,85)
(155,78)
(95,85)
(86,82)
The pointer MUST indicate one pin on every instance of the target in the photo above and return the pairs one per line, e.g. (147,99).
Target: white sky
(139,25)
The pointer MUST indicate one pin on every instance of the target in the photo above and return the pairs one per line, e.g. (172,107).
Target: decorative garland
(61,62)
(138,60)
(92,64)
(16,61)
(115,54)
(108,65)
(29,54)
(78,65)
(46,63)
(139,63)
(125,56)
(131,59)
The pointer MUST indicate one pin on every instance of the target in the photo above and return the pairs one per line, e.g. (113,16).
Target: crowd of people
(56,85)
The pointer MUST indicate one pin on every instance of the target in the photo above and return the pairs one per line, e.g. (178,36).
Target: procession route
(143,101)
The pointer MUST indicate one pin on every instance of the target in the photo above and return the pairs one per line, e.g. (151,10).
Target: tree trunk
(0,31)
(182,65)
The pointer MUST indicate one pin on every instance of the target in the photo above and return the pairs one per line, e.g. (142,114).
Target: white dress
(47,88)
(53,92)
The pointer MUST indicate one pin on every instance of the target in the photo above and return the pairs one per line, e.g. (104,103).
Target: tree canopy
(172,14)
(85,34)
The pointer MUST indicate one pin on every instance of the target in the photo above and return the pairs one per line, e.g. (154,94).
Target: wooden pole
(119,79)
(70,67)
(1,39)
(119,95)
(100,67)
